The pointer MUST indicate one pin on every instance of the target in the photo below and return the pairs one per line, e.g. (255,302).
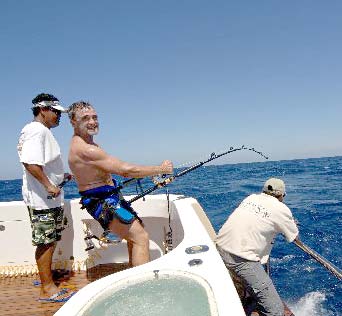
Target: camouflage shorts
(47,225)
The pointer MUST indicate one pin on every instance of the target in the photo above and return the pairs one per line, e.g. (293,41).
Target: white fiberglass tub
(191,279)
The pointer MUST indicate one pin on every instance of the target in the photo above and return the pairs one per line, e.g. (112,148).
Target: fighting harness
(106,203)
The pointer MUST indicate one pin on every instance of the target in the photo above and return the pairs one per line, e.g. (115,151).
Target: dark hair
(39,98)
(36,110)
(44,97)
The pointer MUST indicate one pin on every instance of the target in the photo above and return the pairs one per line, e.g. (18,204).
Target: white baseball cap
(275,187)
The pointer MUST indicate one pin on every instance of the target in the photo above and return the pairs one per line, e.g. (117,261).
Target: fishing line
(160,180)
(220,152)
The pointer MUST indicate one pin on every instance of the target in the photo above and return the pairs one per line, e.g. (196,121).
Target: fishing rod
(324,262)
(169,179)
(120,185)
(62,184)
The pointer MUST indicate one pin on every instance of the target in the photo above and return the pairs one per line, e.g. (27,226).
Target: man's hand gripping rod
(62,184)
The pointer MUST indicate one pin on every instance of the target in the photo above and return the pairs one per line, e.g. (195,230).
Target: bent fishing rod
(324,262)
(170,179)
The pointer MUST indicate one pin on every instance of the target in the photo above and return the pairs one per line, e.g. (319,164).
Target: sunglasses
(57,112)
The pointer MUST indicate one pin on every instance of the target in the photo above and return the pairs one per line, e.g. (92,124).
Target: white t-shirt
(250,230)
(38,146)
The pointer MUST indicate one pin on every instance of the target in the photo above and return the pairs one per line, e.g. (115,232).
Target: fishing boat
(186,275)
(184,267)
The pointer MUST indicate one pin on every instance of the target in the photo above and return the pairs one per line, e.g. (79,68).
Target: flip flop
(54,298)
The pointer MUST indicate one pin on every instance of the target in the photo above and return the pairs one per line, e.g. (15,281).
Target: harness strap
(100,201)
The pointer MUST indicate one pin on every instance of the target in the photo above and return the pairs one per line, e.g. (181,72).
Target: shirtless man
(92,168)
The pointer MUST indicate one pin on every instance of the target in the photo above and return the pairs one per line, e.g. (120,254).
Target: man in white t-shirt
(246,239)
(43,171)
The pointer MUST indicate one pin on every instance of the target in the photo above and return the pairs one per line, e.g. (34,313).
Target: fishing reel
(104,240)
(161,180)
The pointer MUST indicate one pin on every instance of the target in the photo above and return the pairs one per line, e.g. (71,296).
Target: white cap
(54,104)
(274,186)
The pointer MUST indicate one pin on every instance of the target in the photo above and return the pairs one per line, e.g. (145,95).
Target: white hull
(190,227)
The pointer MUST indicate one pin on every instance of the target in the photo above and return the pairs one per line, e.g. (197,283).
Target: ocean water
(314,194)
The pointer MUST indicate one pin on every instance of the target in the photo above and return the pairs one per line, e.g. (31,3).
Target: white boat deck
(190,228)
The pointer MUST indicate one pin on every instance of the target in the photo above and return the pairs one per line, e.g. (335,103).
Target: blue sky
(178,79)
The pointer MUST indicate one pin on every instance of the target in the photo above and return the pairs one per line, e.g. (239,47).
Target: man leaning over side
(246,239)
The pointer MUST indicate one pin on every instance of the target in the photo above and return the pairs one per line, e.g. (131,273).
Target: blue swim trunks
(103,204)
